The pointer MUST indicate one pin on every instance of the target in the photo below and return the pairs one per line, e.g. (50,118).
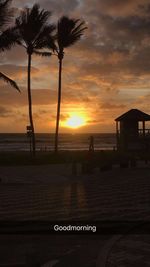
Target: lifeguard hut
(131,131)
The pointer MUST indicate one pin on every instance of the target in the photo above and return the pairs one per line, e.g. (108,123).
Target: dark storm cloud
(123,32)
(114,7)
(107,34)
(139,63)
(58,8)
(119,45)
(116,34)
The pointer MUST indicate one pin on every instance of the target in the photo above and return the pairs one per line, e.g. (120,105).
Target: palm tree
(69,31)
(35,34)
(8,36)
(8,80)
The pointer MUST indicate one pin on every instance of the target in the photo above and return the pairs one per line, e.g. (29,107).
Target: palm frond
(31,23)
(69,31)
(80,27)
(8,38)
(8,80)
(6,13)
(45,38)
(51,43)
(43,54)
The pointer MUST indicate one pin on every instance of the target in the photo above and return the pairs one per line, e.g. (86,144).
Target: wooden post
(117,134)
(143,128)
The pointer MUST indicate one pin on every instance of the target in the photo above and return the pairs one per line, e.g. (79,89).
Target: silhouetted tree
(69,31)
(35,34)
(8,36)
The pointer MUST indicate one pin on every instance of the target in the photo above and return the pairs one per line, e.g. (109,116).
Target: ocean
(45,141)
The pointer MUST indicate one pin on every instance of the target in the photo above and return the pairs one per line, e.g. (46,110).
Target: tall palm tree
(35,34)
(69,31)
(8,36)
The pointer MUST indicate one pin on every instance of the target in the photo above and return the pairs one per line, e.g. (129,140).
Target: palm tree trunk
(58,106)
(30,104)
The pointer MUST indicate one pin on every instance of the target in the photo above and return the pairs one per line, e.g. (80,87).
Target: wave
(20,142)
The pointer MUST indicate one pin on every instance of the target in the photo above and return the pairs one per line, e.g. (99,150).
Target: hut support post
(144,128)
(117,134)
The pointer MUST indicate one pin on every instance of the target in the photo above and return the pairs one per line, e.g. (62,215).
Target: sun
(75,121)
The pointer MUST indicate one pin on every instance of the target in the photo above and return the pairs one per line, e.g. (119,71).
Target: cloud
(4,112)
(58,8)
(104,74)
(113,7)
(109,106)
(17,72)
(9,96)
(16,55)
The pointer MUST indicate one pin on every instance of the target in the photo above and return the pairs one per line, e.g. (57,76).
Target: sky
(104,75)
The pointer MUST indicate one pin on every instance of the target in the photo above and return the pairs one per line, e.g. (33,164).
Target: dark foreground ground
(52,193)
(131,250)
(30,193)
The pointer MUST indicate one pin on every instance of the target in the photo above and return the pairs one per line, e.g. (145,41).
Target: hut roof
(134,114)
